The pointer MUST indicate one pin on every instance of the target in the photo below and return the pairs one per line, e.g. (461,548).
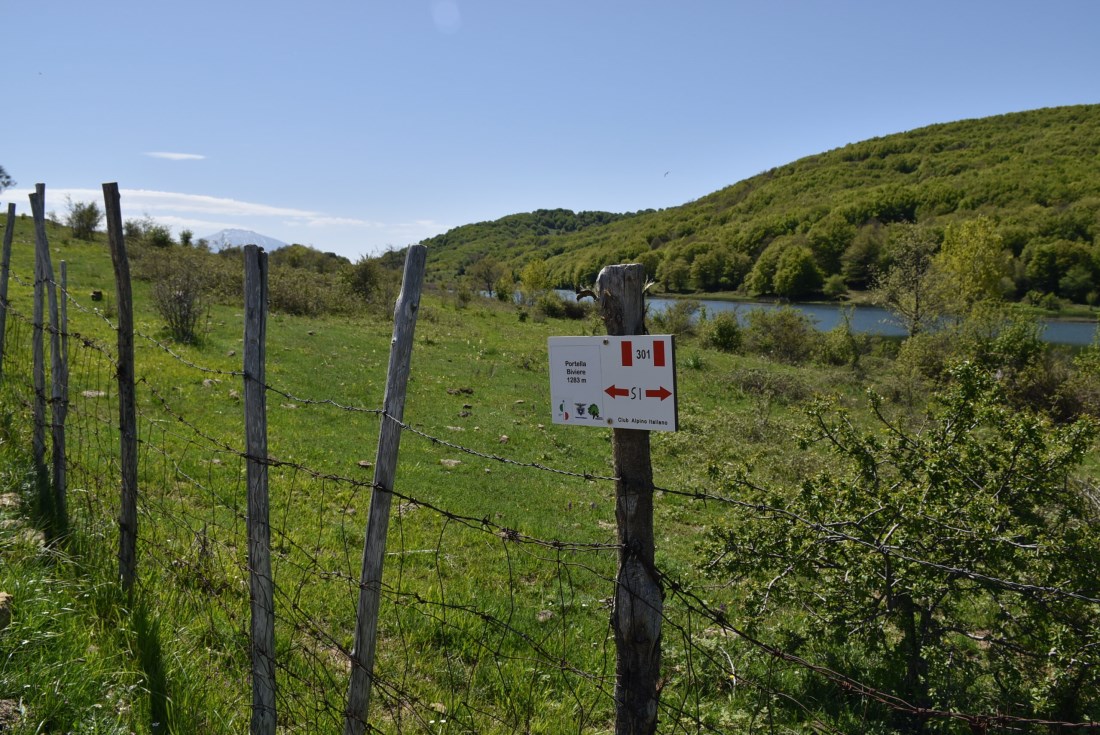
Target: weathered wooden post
(638,596)
(5,267)
(261,586)
(65,328)
(127,402)
(385,467)
(38,443)
(58,406)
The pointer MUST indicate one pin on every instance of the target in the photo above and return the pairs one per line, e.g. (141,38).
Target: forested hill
(1035,175)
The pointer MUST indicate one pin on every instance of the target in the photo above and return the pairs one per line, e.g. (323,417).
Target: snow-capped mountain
(237,238)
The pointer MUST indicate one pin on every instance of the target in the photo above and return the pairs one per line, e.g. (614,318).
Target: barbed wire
(167,448)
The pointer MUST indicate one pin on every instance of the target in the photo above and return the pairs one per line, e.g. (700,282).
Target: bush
(362,278)
(783,334)
(306,293)
(83,219)
(676,318)
(551,306)
(179,292)
(835,287)
(841,346)
(723,332)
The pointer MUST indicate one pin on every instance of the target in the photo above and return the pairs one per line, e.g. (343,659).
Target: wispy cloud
(204,214)
(175,156)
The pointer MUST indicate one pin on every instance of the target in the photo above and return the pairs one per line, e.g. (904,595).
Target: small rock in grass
(93,393)
(450,463)
(503,439)
(365,464)
(5,610)
(545,616)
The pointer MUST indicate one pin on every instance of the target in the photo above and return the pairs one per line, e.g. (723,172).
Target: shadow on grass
(151,659)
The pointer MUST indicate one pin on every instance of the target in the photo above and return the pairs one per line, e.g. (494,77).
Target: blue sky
(357,126)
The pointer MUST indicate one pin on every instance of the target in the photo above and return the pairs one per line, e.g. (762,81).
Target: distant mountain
(239,238)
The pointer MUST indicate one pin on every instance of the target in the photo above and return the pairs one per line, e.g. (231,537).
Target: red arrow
(614,392)
(661,393)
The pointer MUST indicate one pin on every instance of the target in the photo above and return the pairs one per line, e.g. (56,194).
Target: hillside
(1035,174)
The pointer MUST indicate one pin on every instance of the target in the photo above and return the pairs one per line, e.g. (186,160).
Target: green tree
(973,260)
(861,258)
(761,278)
(829,238)
(364,277)
(674,274)
(83,218)
(954,566)
(534,280)
(5,180)
(796,274)
(485,272)
(911,288)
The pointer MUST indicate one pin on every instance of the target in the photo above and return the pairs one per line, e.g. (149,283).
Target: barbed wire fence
(451,657)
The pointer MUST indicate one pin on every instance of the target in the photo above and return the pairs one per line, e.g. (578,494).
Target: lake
(873,319)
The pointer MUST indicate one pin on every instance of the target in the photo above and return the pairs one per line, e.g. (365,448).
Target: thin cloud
(175,156)
(341,222)
(203,204)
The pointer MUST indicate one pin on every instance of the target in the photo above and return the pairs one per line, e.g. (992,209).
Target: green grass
(482,630)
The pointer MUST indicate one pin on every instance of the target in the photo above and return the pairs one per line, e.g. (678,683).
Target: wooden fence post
(65,329)
(38,442)
(58,405)
(389,439)
(636,617)
(44,277)
(127,402)
(261,586)
(5,267)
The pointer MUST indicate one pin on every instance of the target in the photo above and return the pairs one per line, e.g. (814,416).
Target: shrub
(676,317)
(363,278)
(83,218)
(723,332)
(179,291)
(835,287)
(306,293)
(783,334)
(550,305)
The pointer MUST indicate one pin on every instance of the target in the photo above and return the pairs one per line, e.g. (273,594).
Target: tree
(363,278)
(485,272)
(954,566)
(911,287)
(796,274)
(674,274)
(829,238)
(860,258)
(973,260)
(179,291)
(83,218)
(5,180)
(534,280)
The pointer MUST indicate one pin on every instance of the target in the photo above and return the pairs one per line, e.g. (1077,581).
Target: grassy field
(495,615)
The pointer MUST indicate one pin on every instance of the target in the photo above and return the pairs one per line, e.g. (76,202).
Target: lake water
(873,319)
